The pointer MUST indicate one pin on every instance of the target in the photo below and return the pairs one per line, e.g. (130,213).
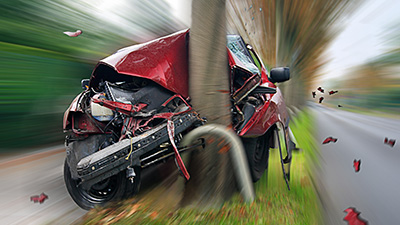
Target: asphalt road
(23,176)
(28,175)
(374,190)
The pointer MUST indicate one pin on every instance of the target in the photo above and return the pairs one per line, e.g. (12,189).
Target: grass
(274,203)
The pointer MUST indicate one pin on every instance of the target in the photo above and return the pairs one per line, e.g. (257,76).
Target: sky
(181,9)
(363,37)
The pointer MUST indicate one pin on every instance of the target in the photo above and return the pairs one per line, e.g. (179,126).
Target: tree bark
(208,61)
(212,180)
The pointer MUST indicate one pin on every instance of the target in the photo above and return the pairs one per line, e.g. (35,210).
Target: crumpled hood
(163,60)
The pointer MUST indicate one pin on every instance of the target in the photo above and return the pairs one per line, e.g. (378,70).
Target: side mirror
(279,74)
(85,84)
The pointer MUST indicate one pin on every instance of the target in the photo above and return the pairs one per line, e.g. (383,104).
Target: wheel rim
(100,192)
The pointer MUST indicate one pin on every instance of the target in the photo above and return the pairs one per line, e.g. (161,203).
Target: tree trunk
(212,180)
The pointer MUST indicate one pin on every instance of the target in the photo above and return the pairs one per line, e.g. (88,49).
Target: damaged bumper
(130,152)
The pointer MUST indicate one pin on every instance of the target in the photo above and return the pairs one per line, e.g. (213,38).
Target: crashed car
(135,110)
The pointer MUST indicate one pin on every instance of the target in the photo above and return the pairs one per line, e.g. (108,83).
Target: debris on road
(353,218)
(356,165)
(390,142)
(329,139)
(39,198)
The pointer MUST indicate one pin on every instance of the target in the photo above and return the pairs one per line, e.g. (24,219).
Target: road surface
(24,176)
(374,190)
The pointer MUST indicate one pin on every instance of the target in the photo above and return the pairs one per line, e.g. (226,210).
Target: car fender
(266,115)
(73,107)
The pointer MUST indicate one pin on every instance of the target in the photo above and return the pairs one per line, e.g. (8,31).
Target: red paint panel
(263,118)
(73,107)
(164,61)
(266,115)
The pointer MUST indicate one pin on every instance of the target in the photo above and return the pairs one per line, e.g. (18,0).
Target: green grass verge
(274,204)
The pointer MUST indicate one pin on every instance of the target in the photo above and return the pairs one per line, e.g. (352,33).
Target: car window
(255,59)
(238,48)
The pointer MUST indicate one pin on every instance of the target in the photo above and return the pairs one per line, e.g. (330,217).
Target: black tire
(257,151)
(111,189)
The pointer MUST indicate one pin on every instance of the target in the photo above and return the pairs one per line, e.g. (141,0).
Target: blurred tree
(290,33)
(212,181)
(377,82)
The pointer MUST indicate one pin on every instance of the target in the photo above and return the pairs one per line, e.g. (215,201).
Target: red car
(120,123)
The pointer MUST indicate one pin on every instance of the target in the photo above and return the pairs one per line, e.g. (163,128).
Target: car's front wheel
(257,152)
(110,189)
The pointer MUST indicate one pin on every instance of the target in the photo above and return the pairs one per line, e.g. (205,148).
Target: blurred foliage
(290,33)
(42,67)
(36,87)
(374,85)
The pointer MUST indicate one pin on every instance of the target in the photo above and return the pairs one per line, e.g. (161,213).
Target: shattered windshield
(237,47)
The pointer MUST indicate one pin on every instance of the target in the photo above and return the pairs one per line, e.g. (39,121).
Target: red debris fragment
(390,142)
(329,139)
(39,198)
(320,89)
(356,165)
(313,94)
(321,99)
(353,218)
(333,92)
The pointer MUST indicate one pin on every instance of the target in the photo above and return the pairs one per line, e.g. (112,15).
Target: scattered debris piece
(39,198)
(339,106)
(320,89)
(313,94)
(333,92)
(356,165)
(321,99)
(390,142)
(329,139)
(353,218)
(73,34)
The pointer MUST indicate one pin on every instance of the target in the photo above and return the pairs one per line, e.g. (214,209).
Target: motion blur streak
(33,175)
(42,67)
(373,190)
(289,33)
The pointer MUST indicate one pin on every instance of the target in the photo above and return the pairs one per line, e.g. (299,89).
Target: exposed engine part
(99,112)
